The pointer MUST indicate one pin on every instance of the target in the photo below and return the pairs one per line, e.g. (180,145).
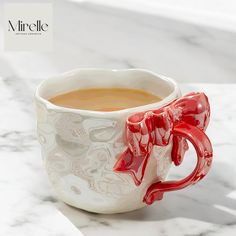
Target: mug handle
(203,149)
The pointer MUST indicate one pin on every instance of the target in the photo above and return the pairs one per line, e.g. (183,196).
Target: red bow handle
(185,118)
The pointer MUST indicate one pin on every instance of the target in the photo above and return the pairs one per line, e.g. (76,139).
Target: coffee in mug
(104,99)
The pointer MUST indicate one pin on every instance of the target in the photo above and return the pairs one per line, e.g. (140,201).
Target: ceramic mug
(111,162)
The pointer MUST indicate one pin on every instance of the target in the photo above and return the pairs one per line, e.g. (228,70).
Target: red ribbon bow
(146,129)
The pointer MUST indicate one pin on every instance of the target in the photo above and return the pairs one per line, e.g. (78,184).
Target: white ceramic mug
(81,147)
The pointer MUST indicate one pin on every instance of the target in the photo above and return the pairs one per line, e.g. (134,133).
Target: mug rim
(172,96)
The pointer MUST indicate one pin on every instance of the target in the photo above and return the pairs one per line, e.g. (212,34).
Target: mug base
(99,210)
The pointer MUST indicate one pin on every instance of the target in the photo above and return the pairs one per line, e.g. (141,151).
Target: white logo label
(28,26)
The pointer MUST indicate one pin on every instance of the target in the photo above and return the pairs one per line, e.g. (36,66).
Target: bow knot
(146,129)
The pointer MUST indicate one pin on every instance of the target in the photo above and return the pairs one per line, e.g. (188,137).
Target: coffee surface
(104,99)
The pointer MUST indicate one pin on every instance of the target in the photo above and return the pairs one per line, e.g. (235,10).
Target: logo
(23,28)
(28,26)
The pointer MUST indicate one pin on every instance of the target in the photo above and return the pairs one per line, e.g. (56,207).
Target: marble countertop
(219,14)
(90,35)
(97,36)
(29,206)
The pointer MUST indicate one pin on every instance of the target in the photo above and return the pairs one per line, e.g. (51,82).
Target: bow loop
(193,109)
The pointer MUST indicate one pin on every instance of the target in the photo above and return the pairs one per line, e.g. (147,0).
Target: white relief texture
(79,153)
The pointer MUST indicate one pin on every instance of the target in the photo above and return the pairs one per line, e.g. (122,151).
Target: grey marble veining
(90,35)
(26,201)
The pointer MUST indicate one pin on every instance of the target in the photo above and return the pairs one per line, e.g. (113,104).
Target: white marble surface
(89,35)
(94,36)
(214,13)
(26,201)
(29,207)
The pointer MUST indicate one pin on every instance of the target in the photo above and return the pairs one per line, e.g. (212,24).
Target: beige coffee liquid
(104,99)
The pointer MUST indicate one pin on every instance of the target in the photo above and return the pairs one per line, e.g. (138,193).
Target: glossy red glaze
(185,118)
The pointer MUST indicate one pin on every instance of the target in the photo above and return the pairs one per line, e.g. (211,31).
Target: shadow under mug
(111,162)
